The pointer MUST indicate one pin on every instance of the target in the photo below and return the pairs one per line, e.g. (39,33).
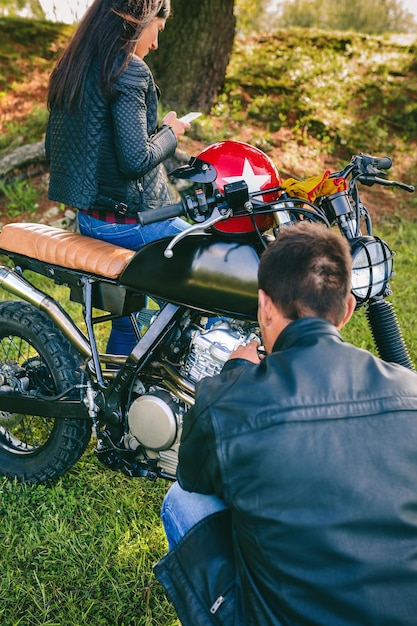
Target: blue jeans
(122,338)
(183,509)
(131,236)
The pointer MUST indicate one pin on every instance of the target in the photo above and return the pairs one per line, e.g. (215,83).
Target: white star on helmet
(254,181)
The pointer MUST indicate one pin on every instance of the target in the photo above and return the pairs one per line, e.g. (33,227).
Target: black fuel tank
(204,273)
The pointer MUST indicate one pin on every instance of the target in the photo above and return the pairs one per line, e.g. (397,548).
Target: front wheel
(36,358)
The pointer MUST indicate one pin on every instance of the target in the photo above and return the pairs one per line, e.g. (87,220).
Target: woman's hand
(177,126)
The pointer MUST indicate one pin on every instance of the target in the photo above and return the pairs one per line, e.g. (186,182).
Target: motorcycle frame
(91,292)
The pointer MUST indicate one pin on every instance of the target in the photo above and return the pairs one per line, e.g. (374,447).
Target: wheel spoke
(19,362)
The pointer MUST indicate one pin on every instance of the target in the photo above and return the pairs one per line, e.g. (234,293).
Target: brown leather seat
(61,247)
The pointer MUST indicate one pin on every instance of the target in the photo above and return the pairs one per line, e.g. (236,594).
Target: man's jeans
(122,338)
(183,509)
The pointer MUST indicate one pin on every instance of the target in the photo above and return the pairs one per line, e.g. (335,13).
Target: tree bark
(14,163)
(194,51)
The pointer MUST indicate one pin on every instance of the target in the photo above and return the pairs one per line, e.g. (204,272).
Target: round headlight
(372,262)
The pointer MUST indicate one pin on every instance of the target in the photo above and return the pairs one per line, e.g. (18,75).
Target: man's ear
(351,304)
(271,320)
(264,308)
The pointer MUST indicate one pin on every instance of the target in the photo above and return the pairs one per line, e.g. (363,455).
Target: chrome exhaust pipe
(14,283)
(178,385)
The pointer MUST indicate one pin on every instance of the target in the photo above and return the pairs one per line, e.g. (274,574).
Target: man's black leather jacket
(108,154)
(315,453)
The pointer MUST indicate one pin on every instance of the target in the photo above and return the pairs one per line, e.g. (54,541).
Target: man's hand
(248,352)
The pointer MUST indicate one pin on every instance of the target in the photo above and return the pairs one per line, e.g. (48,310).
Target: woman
(103,141)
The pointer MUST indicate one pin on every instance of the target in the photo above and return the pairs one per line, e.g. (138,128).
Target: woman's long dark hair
(108,31)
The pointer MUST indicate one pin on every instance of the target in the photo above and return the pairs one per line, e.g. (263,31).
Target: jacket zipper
(140,188)
(139,184)
(217,604)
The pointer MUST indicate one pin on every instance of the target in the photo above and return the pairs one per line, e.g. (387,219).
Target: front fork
(386,332)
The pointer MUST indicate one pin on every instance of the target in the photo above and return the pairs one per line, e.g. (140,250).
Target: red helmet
(235,160)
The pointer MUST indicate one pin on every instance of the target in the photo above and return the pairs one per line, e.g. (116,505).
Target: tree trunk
(194,51)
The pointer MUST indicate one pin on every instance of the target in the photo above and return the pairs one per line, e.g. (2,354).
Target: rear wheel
(35,357)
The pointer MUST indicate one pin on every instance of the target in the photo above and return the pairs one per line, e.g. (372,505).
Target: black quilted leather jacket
(315,452)
(108,154)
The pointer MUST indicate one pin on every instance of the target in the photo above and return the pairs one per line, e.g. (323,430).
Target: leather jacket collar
(301,330)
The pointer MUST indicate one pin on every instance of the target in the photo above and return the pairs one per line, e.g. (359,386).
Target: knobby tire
(37,449)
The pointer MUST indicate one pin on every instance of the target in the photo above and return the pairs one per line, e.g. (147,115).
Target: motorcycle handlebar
(384,163)
(372,180)
(369,164)
(162,213)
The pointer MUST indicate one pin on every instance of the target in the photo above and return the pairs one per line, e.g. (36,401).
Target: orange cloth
(313,187)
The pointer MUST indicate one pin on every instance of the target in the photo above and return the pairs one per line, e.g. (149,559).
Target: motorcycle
(57,388)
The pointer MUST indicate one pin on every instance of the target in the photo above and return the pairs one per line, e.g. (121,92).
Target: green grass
(344,89)
(28,45)
(81,552)
(20,196)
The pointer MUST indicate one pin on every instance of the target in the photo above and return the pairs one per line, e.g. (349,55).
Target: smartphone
(190,117)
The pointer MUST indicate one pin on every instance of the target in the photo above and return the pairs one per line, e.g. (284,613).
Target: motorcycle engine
(211,348)
(155,417)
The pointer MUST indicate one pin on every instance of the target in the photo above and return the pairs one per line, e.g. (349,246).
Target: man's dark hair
(306,272)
